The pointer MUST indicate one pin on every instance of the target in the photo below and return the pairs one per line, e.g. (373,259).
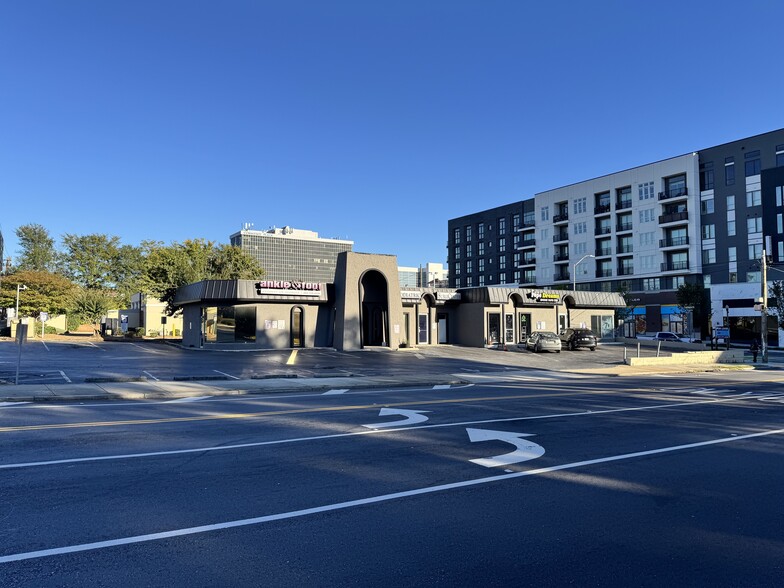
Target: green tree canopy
(37,249)
(92,304)
(46,292)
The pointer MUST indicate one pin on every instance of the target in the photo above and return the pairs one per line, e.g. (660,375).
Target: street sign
(43,317)
(721,332)
(21,333)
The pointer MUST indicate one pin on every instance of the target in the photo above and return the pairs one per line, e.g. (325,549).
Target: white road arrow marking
(526,450)
(412,417)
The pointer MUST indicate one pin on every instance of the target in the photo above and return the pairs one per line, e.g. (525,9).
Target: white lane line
(66,378)
(188,399)
(225,374)
(11,404)
(352,434)
(369,500)
(99,348)
(150,375)
(45,345)
(335,391)
(442,387)
(419,356)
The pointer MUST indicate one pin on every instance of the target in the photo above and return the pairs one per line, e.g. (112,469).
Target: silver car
(543,341)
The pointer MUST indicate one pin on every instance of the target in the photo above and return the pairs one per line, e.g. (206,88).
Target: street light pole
(574,269)
(18,287)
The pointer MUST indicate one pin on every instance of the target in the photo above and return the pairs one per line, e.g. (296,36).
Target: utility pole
(764,316)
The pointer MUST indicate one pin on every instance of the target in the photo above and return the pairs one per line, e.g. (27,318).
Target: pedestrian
(754,349)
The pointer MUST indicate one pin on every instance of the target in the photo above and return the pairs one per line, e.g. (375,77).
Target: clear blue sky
(375,120)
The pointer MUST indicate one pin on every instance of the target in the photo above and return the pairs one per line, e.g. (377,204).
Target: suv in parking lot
(578,338)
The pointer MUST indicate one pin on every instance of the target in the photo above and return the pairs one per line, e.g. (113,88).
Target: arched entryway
(374,314)
(570,305)
(297,327)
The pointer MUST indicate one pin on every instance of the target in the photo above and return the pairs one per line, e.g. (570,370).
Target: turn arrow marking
(525,450)
(412,417)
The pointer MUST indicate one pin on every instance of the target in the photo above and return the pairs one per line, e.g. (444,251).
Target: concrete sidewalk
(149,389)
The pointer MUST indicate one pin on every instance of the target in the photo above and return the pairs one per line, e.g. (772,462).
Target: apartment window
(753,165)
(706,176)
(755,251)
(709,255)
(733,277)
(730,202)
(481,231)
(649,284)
(645,191)
(754,224)
(516,241)
(457,235)
(457,269)
(779,195)
(502,278)
(729,171)
(502,263)
(516,259)
(647,238)
(469,250)
(580,228)
(730,228)
(517,277)
(501,244)
(545,252)
(545,213)
(469,281)
(481,265)
(677,282)
(753,198)
(580,248)
(780,250)
(481,247)
(706,206)
(481,280)
(779,224)
(545,234)
(469,266)
(779,155)
(732,254)
(580,205)
(706,281)
(647,215)
(626,266)
(529,219)
(457,252)
(708,231)
(469,234)
(457,282)
(753,277)
(501,226)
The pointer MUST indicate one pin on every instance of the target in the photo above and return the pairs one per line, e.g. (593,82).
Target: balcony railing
(674,266)
(528,243)
(564,236)
(561,257)
(625,249)
(603,273)
(602,208)
(529,261)
(674,193)
(674,242)
(623,227)
(603,251)
(528,225)
(674,217)
(561,276)
(561,218)
(604,230)
(621,204)
(625,271)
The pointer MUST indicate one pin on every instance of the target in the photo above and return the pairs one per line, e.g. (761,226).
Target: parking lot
(63,362)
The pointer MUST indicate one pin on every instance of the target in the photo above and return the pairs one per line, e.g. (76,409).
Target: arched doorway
(297,327)
(570,305)
(374,313)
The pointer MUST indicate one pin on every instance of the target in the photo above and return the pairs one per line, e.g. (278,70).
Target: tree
(92,304)
(776,292)
(168,267)
(692,297)
(37,249)
(89,259)
(46,292)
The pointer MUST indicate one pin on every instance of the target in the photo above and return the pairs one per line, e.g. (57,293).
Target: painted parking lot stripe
(146,350)
(371,500)
(148,374)
(11,404)
(66,378)
(353,434)
(335,391)
(188,399)
(225,374)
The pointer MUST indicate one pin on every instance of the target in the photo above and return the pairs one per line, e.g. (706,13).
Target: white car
(543,341)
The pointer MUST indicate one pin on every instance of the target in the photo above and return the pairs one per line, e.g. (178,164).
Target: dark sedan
(578,339)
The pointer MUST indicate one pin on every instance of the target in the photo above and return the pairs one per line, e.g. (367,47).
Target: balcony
(674,266)
(625,271)
(603,230)
(622,204)
(621,227)
(604,273)
(528,261)
(673,242)
(602,209)
(625,249)
(560,218)
(674,217)
(527,243)
(561,277)
(674,193)
(562,236)
(561,257)
(603,251)
(527,225)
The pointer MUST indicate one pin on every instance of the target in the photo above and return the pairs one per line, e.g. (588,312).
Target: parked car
(578,339)
(669,336)
(543,341)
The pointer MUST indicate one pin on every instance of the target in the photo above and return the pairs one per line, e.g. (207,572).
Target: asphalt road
(582,481)
(60,363)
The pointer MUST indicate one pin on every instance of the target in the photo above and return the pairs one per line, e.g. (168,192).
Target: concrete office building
(292,254)
(365,307)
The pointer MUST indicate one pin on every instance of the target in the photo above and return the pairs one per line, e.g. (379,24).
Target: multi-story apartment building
(647,230)
(292,254)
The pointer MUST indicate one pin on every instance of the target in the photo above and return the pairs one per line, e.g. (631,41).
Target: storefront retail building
(366,307)
(699,218)
(292,254)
